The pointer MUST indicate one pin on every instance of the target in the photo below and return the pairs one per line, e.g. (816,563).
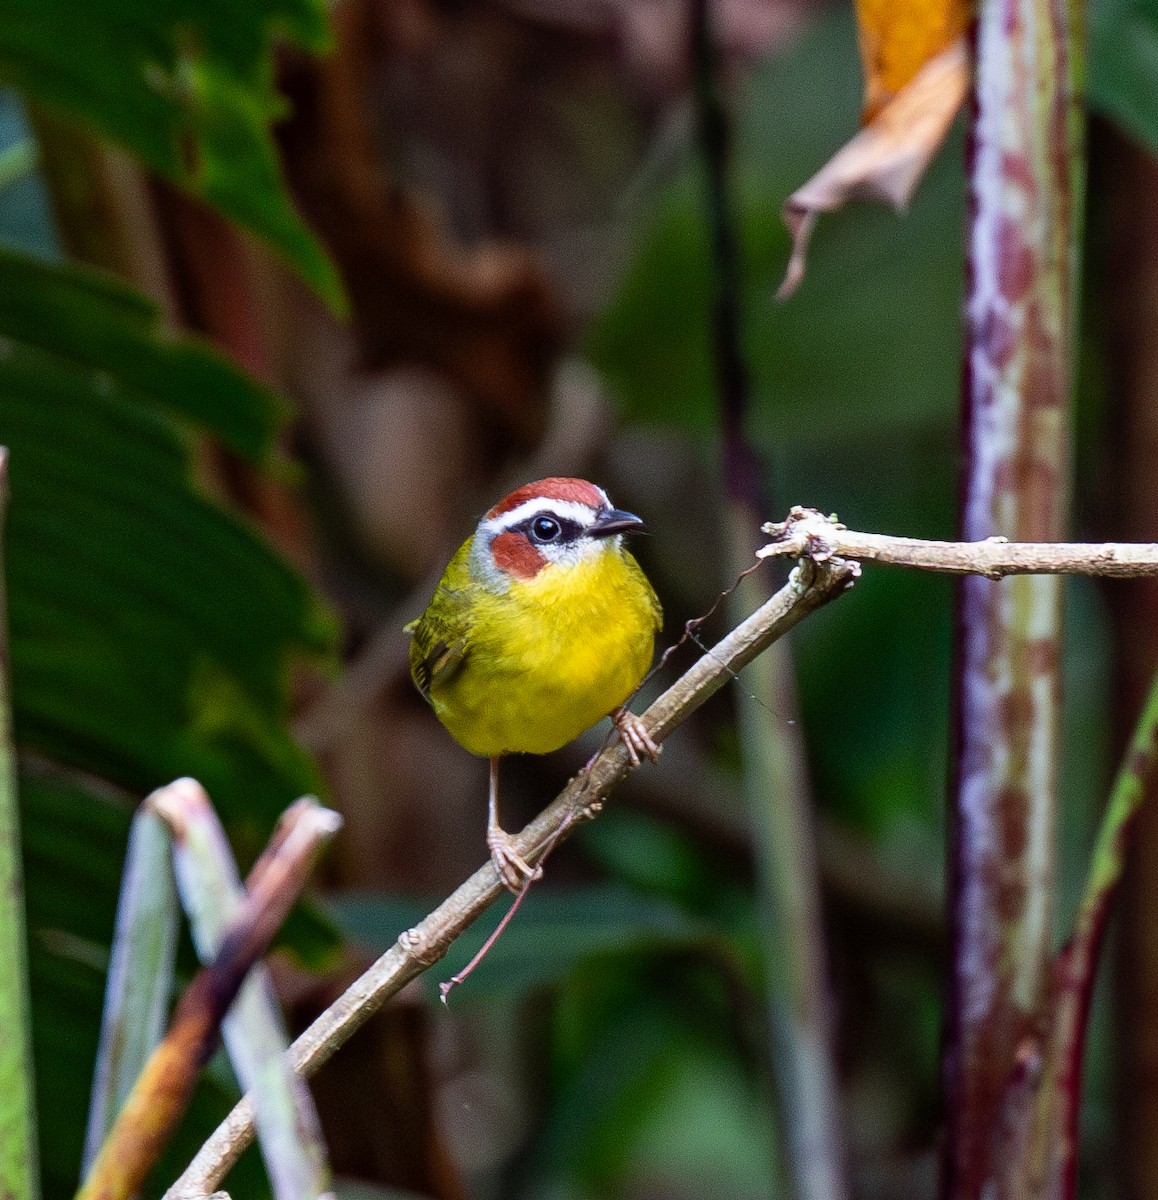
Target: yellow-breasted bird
(542,624)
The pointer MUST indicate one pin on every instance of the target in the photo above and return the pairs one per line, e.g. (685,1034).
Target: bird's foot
(635,736)
(512,868)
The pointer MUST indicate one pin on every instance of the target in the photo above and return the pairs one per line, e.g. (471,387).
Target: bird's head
(549,523)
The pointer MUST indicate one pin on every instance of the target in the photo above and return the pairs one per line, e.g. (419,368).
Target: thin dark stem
(742,470)
(775,772)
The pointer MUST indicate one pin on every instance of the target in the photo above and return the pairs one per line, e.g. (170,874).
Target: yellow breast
(549,657)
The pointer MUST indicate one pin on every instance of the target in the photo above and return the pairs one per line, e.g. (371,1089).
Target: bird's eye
(545,529)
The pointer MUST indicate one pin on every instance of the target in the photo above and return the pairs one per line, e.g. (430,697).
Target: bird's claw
(636,738)
(512,868)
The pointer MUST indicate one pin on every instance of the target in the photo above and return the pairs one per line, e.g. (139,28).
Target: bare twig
(812,585)
(808,532)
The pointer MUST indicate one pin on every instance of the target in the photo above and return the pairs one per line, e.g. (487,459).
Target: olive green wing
(440,637)
(433,659)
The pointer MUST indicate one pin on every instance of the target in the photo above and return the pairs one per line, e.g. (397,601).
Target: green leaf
(186,86)
(95,324)
(112,547)
(74,840)
(152,631)
(552,934)
(1123,65)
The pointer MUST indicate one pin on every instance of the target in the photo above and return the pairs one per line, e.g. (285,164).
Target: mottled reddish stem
(1018,353)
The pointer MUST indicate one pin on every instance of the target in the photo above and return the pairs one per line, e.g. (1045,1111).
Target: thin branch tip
(808,535)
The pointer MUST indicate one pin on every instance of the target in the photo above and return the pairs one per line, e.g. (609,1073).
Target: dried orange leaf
(898,37)
(886,160)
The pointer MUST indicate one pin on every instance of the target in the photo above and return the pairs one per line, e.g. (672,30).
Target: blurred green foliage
(185,86)
(1124,65)
(151,632)
(555,933)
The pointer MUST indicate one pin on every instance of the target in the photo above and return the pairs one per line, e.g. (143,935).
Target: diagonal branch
(811,586)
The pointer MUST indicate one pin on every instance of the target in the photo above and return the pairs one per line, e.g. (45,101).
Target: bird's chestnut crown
(550,522)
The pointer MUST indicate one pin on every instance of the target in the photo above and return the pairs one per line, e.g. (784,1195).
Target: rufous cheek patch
(514,554)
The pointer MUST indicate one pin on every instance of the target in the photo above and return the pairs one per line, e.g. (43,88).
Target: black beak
(614,521)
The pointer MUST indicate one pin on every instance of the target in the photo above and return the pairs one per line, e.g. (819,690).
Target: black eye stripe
(550,529)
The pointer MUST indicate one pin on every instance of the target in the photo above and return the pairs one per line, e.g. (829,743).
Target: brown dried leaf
(887,159)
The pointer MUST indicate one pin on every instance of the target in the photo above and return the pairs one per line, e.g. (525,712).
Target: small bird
(542,624)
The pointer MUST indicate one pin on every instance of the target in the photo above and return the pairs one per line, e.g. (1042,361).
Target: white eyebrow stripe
(568,510)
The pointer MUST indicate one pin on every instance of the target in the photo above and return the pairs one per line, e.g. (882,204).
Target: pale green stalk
(254,1033)
(140,980)
(19,1178)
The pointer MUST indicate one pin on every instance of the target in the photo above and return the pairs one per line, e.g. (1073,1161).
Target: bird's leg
(635,736)
(513,869)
